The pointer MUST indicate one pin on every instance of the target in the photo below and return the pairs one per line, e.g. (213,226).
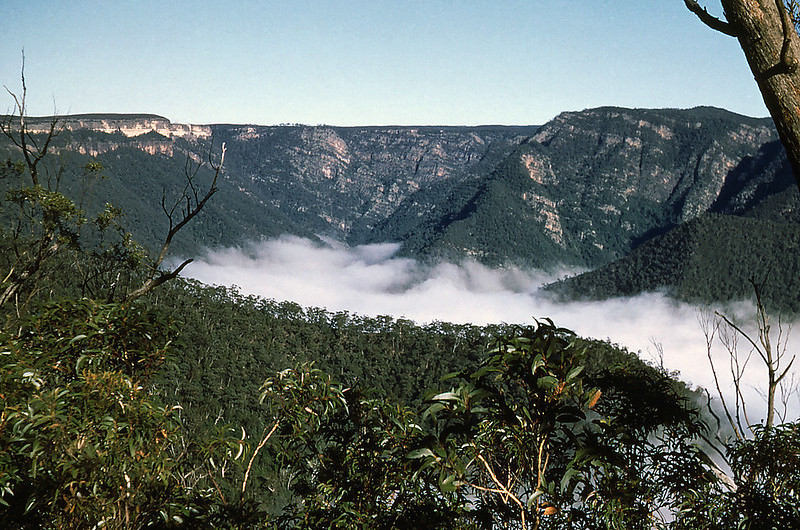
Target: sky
(370,62)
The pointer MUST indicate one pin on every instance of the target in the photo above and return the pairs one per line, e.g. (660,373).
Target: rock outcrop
(585,188)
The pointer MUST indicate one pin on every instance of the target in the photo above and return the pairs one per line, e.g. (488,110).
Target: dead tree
(179,214)
(771,350)
(49,223)
(56,217)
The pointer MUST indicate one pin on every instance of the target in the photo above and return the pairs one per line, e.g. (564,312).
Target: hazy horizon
(373,125)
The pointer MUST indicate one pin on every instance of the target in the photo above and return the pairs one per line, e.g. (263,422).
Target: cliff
(585,188)
(341,181)
(129,125)
(590,186)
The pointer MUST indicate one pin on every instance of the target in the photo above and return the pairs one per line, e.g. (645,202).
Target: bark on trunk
(772,47)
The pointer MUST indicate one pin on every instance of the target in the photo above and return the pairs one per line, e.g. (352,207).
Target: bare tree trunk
(770,42)
(773,355)
(772,48)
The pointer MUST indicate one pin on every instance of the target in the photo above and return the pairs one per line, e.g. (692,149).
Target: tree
(767,32)
(754,459)
(82,441)
(532,440)
(46,223)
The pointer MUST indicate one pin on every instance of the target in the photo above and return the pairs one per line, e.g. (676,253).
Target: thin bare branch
(772,354)
(743,334)
(710,328)
(710,20)
(503,487)
(783,374)
(20,135)
(255,453)
(194,204)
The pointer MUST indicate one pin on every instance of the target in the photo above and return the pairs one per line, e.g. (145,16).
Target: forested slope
(133,399)
(712,258)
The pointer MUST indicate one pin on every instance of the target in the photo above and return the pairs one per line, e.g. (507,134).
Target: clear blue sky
(367,62)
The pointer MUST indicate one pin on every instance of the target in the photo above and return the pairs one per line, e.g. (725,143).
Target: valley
(365,416)
(584,190)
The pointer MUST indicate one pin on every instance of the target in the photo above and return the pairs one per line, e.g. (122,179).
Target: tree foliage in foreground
(534,441)
(543,430)
(531,438)
(83,441)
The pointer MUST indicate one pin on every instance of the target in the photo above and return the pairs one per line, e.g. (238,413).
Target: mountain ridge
(599,181)
(586,188)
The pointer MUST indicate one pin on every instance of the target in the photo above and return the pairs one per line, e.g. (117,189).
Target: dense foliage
(74,364)
(197,407)
(83,442)
(711,258)
(547,429)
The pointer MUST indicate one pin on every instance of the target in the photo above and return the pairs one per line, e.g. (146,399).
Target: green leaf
(575,372)
(420,453)
(537,363)
(547,382)
(76,338)
(448,484)
(570,417)
(567,478)
(446,396)
(451,375)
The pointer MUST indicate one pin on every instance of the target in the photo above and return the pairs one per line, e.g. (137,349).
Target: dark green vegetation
(535,429)
(586,189)
(189,406)
(137,181)
(731,249)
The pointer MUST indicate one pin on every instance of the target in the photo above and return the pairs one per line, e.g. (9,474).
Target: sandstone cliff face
(95,134)
(94,147)
(596,173)
(344,180)
(589,186)
(661,155)
(585,188)
(127,124)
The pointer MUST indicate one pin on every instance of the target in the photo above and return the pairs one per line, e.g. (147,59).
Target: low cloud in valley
(373,280)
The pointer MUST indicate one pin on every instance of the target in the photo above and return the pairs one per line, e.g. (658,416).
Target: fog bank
(372,280)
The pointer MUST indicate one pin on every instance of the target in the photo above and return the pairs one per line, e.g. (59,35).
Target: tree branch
(505,491)
(783,374)
(739,330)
(194,204)
(710,328)
(253,457)
(789,63)
(709,20)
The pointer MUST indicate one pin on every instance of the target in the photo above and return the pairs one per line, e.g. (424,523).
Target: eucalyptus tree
(43,224)
(767,33)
